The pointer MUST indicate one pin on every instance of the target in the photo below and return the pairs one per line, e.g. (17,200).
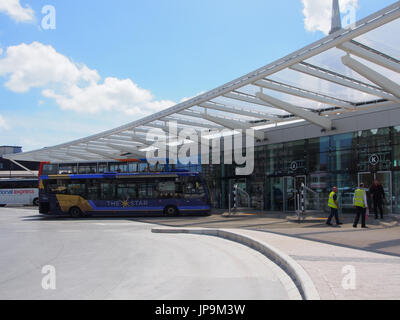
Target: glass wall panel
(396,192)
(343,141)
(375,143)
(343,160)
(274,194)
(396,149)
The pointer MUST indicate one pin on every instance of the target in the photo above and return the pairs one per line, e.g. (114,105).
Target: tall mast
(336,22)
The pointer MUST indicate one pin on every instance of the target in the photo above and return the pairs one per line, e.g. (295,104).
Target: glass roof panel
(314,84)
(384,39)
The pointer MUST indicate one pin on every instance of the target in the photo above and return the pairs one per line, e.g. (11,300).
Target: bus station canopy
(352,69)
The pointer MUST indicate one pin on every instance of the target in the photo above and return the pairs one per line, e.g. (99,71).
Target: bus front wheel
(36,202)
(171,211)
(2,205)
(75,212)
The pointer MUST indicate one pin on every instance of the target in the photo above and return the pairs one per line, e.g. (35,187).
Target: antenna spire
(336,22)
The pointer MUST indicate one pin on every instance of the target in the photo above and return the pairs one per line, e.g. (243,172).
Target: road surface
(121,259)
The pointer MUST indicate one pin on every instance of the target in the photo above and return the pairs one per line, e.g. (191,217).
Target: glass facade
(342,160)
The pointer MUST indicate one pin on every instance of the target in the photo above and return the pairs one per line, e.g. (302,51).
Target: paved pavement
(380,238)
(339,272)
(107,258)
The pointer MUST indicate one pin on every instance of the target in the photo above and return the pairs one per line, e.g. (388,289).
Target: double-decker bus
(19,192)
(168,193)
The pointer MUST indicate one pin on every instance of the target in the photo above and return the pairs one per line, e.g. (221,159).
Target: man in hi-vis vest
(333,204)
(361,205)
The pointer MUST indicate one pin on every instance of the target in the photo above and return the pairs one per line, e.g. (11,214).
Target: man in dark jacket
(378,196)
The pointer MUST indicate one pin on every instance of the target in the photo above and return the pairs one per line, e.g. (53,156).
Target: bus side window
(194,186)
(142,192)
(5,185)
(93,189)
(107,190)
(33,184)
(56,186)
(167,189)
(126,191)
(77,188)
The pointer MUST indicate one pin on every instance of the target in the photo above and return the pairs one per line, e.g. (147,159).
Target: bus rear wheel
(75,212)
(2,205)
(36,202)
(171,211)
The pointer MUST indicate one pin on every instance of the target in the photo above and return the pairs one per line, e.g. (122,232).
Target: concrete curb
(300,278)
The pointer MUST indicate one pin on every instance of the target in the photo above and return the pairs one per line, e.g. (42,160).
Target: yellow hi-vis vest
(331,202)
(359,198)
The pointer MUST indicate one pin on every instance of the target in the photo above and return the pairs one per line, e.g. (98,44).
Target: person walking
(361,205)
(378,196)
(333,204)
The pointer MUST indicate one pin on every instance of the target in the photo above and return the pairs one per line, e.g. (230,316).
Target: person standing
(333,204)
(361,205)
(378,196)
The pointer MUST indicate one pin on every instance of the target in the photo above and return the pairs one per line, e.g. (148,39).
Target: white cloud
(3,124)
(73,86)
(318,13)
(16,11)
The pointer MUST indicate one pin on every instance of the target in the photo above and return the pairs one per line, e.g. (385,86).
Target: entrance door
(241,200)
(292,186)
(384,178)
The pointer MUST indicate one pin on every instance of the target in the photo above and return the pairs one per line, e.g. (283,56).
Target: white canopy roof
(350,70)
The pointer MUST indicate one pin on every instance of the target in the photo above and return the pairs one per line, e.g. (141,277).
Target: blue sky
(110,62)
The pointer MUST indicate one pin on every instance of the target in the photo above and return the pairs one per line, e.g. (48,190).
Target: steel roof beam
(191,123)
(371,55)
(104,143)
(234,125)
(122,140)
(167,129)
(127,149)
(342,80)
(373,76)
(56,156)
(104,154)
(246,98)
(306,94)
(242,112)
(312,117)
(80,156)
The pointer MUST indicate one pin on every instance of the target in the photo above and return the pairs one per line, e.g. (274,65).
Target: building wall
(302,153)
(11,168)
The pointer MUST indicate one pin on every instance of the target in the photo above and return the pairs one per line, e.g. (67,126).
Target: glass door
(396,192)
(385,179)
(292,186)
(289,194)
(299,180)
(274,198)
(367,178)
